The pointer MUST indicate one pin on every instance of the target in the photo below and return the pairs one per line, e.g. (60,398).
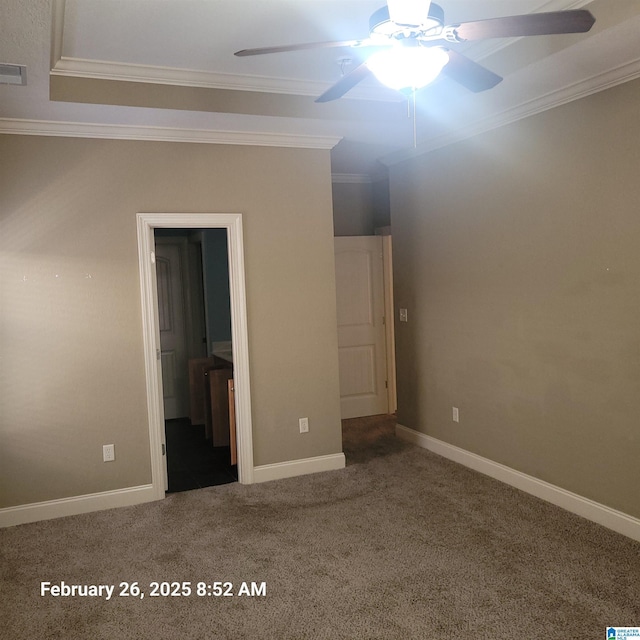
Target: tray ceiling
(147,66)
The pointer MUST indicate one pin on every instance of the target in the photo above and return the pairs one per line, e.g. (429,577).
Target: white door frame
(232,222)
(389,319)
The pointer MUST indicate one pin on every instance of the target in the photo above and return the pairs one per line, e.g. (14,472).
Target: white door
(173,344)
(361,330)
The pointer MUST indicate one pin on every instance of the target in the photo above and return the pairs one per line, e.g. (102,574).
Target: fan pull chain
(409,115)
(415,126)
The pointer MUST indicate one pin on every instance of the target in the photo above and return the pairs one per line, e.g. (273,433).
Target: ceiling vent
(13,74)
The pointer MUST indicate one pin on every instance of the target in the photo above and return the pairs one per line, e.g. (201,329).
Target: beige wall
(352,209)
(360,208)
(72,370)
(517,254)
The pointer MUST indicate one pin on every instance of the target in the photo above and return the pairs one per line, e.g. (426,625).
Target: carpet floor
(400,544)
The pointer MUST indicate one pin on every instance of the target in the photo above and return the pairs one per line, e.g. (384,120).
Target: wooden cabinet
(212,400)
(197,389)
(218,408)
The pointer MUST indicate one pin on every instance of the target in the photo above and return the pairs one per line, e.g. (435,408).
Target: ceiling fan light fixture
(382,27)
(409,12)
(405,68)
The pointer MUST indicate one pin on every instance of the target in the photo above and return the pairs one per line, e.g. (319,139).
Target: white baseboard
(50,509)
(22,514)
(594,511)
(293,468)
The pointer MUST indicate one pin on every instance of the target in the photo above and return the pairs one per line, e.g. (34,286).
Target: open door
(361,326)
(171,320)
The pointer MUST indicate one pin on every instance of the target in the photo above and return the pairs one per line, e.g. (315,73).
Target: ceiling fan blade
(533,24)
(470,74)
(345,83)
(299,47)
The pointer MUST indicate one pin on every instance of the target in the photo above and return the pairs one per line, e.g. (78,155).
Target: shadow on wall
(360,206)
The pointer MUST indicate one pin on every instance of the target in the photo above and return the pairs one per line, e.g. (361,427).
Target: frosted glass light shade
(407,68)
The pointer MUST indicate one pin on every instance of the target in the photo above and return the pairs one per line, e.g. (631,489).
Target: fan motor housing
(381,24)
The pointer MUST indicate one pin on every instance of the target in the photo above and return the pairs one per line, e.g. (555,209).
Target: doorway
(364,301)
(232,226)
(194,313)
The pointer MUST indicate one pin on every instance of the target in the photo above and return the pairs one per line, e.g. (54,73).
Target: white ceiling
(202,35)
(113,49)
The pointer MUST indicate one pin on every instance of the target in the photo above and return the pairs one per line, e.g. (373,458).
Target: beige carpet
(400,544)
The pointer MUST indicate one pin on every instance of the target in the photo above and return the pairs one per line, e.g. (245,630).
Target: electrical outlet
(304,425)
(403,315)
(108,453)
(456,414)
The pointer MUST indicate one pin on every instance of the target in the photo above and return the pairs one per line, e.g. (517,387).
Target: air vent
(13,74)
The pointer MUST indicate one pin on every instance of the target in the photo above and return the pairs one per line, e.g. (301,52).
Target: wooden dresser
(212,402)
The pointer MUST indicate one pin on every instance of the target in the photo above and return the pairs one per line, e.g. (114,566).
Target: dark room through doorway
(196,356)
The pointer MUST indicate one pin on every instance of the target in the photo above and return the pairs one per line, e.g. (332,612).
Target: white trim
(600,82)
(57,31)
(152,74)
(232,222)
(292,468)
(151,338)
(576,91)
(68,67)
(58,8)
(589,509)
(11,516)
(351,178)
(389,321)
(163,134)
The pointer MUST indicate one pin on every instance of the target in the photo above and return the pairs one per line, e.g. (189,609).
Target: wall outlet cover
(108,453)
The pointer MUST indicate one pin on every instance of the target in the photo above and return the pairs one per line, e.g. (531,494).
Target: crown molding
(108,70)
(123,71)
(127,72)
(351,178)
(594,84)
(163,134)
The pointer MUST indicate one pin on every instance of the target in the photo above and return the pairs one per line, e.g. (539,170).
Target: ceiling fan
(412,45)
